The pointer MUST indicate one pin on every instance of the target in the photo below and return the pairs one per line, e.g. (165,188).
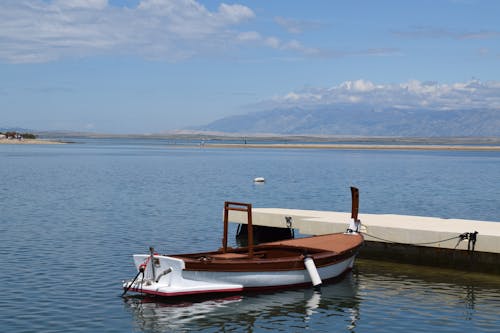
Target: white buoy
(259,180)
(313,272)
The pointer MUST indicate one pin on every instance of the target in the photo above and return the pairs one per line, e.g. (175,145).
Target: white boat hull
(171,279)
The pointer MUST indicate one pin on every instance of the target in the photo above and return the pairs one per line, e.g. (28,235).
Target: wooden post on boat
(355,203)
(226,222)
(228,205)
(250,231)
(152,261)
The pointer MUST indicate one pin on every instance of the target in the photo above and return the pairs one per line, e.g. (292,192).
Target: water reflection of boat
(243,310)
(279,264)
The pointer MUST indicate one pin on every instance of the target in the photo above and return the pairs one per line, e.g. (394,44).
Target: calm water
(72,215)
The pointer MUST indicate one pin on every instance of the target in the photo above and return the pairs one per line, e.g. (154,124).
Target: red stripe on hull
(185,293)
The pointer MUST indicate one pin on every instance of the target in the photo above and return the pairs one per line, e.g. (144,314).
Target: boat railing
(241,207)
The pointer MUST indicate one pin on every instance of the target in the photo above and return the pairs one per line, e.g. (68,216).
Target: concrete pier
(409,239)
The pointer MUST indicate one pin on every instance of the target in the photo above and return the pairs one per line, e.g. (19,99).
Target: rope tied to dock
(470,236)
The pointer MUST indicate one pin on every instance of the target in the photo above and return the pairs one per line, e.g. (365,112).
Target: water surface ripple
(71,216)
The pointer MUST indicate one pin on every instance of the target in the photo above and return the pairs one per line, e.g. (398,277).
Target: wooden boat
(278,264)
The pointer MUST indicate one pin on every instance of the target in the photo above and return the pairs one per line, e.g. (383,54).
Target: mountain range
(362,121)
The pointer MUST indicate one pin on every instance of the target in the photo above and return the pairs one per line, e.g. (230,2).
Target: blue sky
(149,66)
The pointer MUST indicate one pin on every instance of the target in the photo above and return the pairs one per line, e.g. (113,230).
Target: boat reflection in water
(375,296)
(274,310)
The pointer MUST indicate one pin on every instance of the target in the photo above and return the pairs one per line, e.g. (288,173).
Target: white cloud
(295,45)
(358,85)
(296,26)
(40,31)
(234,13)
(273,42)
(96,4)
(479,35)
(413,94)
(292,45)
(249,36)
(438,32)
(34,31)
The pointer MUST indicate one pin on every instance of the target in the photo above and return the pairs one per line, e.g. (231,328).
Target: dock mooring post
(355,222)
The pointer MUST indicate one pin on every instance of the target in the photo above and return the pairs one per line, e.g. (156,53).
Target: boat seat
(229,255)
(235,255)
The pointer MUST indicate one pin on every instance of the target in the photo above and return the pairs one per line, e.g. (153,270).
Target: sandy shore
(29,142)
(337,146)
(355,146)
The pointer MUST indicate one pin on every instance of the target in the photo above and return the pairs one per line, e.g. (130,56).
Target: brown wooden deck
(332,242)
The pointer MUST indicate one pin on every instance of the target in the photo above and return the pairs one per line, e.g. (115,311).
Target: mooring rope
(131,283)
(142,269)
(471,236)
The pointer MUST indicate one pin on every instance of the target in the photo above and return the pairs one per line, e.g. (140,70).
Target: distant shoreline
(375,145)
(352,146)
(29,142)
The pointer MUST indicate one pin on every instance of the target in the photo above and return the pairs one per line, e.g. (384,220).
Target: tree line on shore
(16,135)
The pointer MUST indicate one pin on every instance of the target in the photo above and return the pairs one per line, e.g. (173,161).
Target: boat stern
(162,276)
